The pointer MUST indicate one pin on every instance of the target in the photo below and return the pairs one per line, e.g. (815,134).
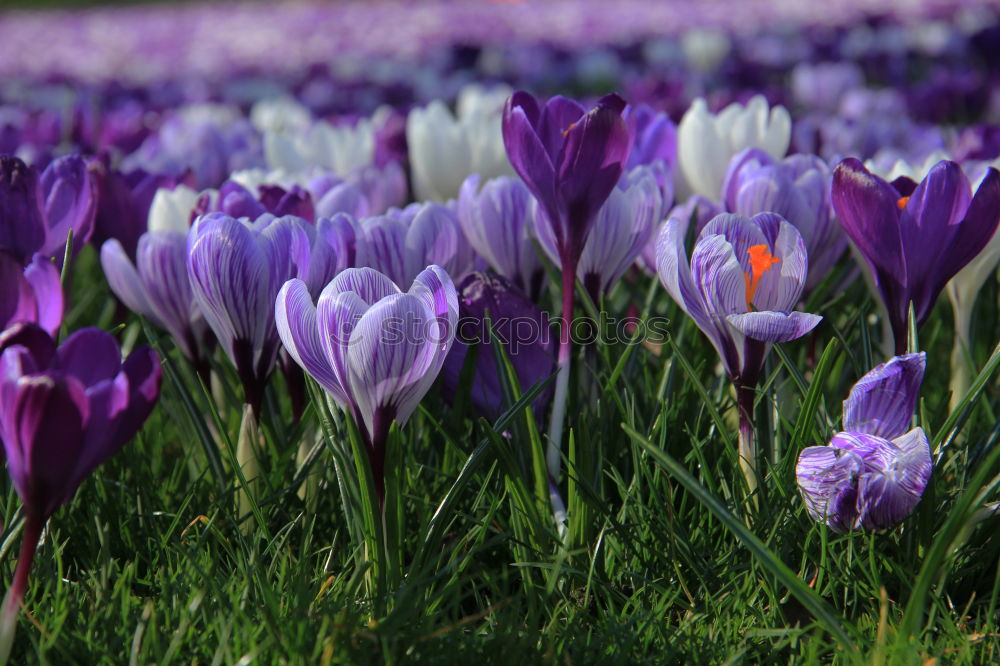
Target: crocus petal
(89,354)
(867,209)
(774,326)
(894,479)
(295,317)
(527,154)
(825,476)
(43,276)
(124,280)
(22,227)
(882,402)
(70,203)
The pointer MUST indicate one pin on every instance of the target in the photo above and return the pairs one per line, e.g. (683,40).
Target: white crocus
(707,142)
(341,149)
(279,114)
(171,209)
(445,149)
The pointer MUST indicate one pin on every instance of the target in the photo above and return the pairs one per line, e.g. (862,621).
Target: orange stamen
(902,202)
(760,262)
(566,131)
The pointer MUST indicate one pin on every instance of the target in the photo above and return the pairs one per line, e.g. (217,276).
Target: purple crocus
(571,160)
(123,202)
(517,324)
(874,473)
(915,238)
(655,137)
(740,287)
(31,293)
(237,201)
(798,189)
(401,242)
(38,211)
(497,219)
(622,228)
(156,285)
(63,411)
(236,268)
(375,349)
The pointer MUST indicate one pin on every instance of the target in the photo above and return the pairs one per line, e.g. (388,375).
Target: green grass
(666,560)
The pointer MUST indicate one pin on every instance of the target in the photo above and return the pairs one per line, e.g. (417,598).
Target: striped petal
(883,401)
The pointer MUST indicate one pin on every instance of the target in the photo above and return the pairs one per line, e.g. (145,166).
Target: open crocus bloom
(874,473)
(375,349)
(741,285)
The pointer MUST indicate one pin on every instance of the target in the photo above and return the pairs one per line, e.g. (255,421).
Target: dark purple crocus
(237,201)
(655,137)
(873,474)
(571,160)
(123,201)
(236,268)
(63,411)
(517,324)
(375,349)
(915,238)
(740,286)
(797,188)
(37,211)
(31,293)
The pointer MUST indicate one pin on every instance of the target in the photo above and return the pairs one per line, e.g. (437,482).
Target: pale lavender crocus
(497,219)
(375,349)
(740,286)
(797,188)
(873,473)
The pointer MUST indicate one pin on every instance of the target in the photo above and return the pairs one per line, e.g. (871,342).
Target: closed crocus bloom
(236,268)
(63,411)
(172,210)
(798,189)
(517,324)
(740,287)
(622,228)
(375,349)
(38,211)
(400,242)
(873,474)
(497,219)
(22,224)
(368,191)
(123,202)
(341,149)
(655,137)
(706,142)
(157,286)
(915,238)
(31,293)
(237,201)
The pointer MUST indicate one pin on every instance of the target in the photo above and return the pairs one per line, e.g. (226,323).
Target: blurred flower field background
(521,332)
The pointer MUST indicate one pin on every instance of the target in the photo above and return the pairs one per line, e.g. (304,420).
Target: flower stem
(15,594)
(962,370)
(747,445)
(563,364)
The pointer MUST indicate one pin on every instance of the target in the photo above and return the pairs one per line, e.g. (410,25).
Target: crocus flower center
(761,261)
(901,203)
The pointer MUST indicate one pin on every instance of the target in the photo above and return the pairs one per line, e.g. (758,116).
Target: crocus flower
(497,220)
(30,294)
(123,202)
(340,148)
(400,242)
(444,149)
(622,228)
(915,238)
(236,268)
(63,411)
(740,287)
(571,160)
(174,210)
(655,137)
(156,285)
(517,324)
(38,211)
(696,210)
(798,189)
(237,201)
(375,349)
(706,143)
(874,473)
